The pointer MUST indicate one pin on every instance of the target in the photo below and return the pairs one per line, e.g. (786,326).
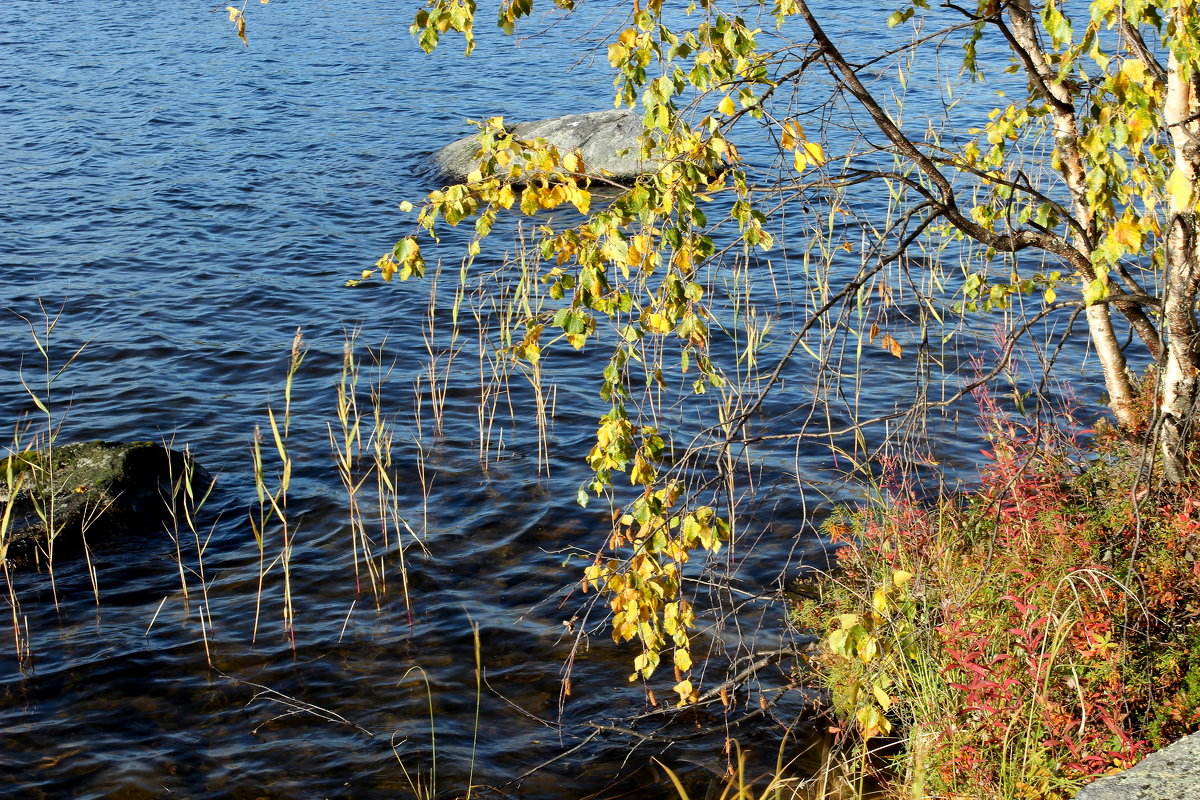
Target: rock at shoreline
(607,141)
(96,489)
(1172,773)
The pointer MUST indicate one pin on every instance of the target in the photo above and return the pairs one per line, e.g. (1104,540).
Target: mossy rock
(91,491)
(607,141)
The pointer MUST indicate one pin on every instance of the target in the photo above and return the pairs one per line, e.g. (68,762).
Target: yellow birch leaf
(1179,189)
(868,648)
(848,621)
(683,660)
(657,323)
(1135,70)
(505,196)
(1128,234)
(687,693)
(1095,291)
(800,160)
(814,151)
(872,722)
(581,199)
(880,601)
(885,702)
(234,13)
(792,135)
(726,105)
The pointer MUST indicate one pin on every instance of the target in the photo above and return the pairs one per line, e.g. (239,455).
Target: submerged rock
(607,140)
(1172,773)
(89,491)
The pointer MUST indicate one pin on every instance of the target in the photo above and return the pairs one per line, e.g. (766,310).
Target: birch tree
(1122,216)
(1105,94)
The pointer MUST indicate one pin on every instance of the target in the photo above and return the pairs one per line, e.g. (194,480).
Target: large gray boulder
(1172,773)
(607,140)
(96,490)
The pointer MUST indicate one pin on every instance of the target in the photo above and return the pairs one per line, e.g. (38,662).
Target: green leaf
(1096,291)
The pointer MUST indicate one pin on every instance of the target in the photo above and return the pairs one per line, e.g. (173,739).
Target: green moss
(59,495)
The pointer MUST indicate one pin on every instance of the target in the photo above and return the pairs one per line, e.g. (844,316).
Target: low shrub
(1024,638)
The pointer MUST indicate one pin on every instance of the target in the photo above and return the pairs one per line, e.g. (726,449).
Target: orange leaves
(887,342)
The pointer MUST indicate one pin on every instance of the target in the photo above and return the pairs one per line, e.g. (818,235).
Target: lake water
(181,204)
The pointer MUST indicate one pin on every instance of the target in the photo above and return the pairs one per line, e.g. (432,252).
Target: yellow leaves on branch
(804,152)
(687,693)
(442,16)
(1134,69)
(872,646)
(808,153)
(643,590)
(628,41)
(404,259)
(238,17)
(541,197)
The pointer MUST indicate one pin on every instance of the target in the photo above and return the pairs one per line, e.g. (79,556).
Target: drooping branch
(1008,242)
(1137,44)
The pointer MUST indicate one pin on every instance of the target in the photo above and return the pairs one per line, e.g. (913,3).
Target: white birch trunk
(1179,372)
(1066,141)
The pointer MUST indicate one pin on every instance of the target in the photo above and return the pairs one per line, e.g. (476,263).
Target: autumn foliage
(1024,638)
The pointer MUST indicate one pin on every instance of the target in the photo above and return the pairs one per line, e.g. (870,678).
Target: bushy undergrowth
(1022,639)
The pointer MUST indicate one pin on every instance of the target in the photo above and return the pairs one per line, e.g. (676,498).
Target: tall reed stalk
(41,333)
(362,447)
(272,513)
(183,527)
